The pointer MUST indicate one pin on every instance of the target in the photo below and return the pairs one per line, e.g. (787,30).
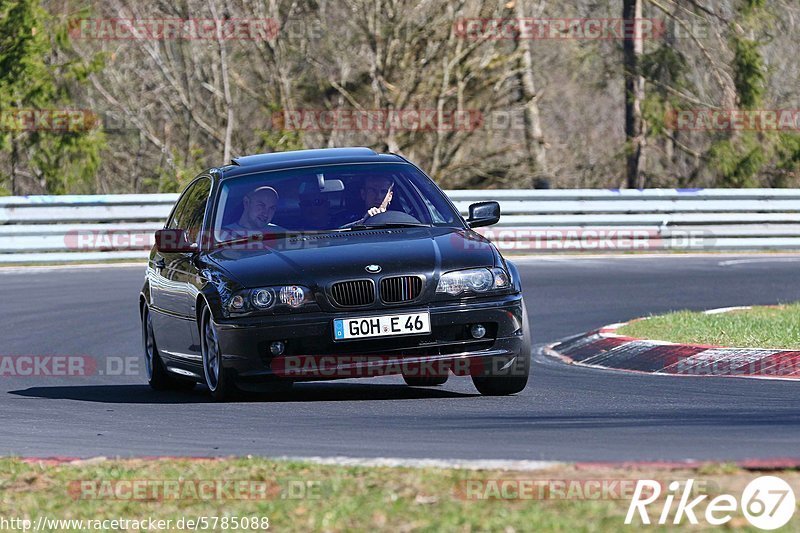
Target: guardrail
(51,229)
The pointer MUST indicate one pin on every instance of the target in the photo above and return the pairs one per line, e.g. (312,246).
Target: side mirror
(483,214)
(173,241)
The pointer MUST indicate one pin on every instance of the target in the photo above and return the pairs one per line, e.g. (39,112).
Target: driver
(374,191)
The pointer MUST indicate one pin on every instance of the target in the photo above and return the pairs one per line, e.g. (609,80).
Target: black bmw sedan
(328,264)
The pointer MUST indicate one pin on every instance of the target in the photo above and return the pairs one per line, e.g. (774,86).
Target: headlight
(269,298)
(501,278)
(263,298)
(293,296)
(237,303)
(475,280)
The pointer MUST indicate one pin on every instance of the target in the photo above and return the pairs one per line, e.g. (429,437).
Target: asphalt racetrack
(566,413)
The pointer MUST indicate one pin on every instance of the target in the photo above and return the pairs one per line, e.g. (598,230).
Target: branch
(715,70)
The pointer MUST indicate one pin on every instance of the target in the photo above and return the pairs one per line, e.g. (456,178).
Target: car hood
(315,260)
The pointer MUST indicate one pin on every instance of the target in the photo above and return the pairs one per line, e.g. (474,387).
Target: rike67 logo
(767,502)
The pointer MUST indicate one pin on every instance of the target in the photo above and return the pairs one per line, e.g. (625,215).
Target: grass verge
(308,497)
(759,327)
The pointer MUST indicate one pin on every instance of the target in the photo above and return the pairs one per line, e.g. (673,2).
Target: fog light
(477,331)
(276,348)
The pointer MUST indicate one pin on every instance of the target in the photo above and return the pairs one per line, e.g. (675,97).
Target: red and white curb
(604,348)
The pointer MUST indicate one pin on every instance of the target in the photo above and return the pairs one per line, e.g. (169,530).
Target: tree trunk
(633,46)
(14,159)
(226,88)
(534,138)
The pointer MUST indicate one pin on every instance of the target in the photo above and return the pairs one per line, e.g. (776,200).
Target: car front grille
(401,289)
(353,293)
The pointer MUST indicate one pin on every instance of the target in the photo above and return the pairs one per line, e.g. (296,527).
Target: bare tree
(574,107)
(535,146)
(635,127)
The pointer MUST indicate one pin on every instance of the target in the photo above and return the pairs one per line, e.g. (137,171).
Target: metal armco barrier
(49,229)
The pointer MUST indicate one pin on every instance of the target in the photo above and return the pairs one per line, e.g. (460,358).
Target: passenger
(258,210)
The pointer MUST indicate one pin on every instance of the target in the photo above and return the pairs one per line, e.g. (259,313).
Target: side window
(196,208)
(191,208)
(178,214)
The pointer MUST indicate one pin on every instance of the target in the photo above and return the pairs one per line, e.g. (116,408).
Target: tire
(158,377)
(217,377)
(432,381)
(496,382)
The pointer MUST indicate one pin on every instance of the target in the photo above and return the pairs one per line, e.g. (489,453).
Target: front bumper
(312,354)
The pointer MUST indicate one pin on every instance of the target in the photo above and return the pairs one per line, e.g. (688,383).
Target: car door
(175,278)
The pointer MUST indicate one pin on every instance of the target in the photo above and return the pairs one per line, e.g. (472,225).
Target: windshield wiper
(256,237)
(389,225)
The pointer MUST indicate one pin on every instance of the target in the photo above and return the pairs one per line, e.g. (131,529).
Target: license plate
(381,326)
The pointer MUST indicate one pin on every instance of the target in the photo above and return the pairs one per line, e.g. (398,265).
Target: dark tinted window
(191,208)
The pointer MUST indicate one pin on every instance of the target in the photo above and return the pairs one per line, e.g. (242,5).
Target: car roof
(299,158)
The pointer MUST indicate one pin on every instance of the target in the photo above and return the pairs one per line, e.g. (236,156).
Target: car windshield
(329,198)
